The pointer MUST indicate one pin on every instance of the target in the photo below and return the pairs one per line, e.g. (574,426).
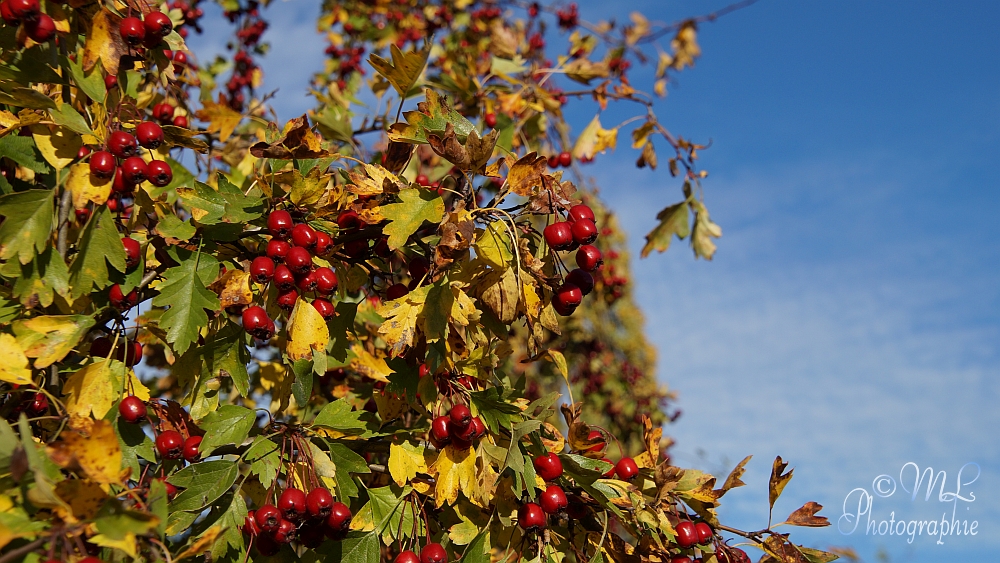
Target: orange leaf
(806,516)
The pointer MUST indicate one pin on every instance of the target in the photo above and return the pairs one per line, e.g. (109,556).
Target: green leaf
(134,444)
(389,511)
(404,70)
(480,549)
(340,327)
(184,292)
(231,520)
(584,467)
(417,206)
(492,409)
(404,379)
(39,280)
(115,521)
(203,483)
(817,556)
(357,547)
(264,458)
(347,462)
(156,500)
(226,355)
(302,386)
(100,244)
(227,205)
(27,226)
(431,115)
(171,226)
(673,222)
(91,83)
(22,151)
(230,425)
(69,118)
(507,67)
(339,416)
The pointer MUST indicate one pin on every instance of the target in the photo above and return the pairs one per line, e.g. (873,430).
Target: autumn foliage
(399,327)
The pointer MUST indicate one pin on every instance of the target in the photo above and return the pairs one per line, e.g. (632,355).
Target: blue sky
(850,321)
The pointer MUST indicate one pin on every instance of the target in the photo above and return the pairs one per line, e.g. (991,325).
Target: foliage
(372,302)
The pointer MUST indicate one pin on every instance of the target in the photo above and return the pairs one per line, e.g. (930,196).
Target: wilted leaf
(525,176)
(806,516)
(233,288)
(431,115)
(297,142)
(91,390)
(499,292)
(584,70)
(447,146)
(704,231)
(778,480)
(673,222)
(104,42)
(220,117)
(202,544)
(406,460)
(734,480)
(96,452)
(307,331)
(594,139)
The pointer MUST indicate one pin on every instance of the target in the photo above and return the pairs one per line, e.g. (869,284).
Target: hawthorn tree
(345,336)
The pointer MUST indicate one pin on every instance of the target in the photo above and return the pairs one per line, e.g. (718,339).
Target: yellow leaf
(368,365)
(389,406)
(276,379)
(703,233)
(87,188)
(406,460)
(104,42)
(49,339)
(220,117)
(501,294)
(13,362)
(84,498)
(307,331)
(400,326)
(594,139)
(97,452)
(233,288)
(91,390)
(525,176)
(456,471)
(58,145)
(126,544)
(202,544)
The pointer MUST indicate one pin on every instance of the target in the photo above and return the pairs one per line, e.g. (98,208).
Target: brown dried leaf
(806,516)
(733,480)
(396,156)
(104,42)
(556,195)
(173,417)
(525,176)
(778,480)
(447,146)
(500,294)
(481,149)
(778,547)
(579,431)
(297,142)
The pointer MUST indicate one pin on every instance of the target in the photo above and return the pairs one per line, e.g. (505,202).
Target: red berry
(122,144)
(610,472)
(349,220)
(134,355)
(286,301)
(268,518)
(307,283)
(324,307)
(283,278)
(23,9)
(110,81)
(100,347)
(565,159)
(170,444)
(121,301)
(149,134)
(559,235)
(180,59)
(553,161)
(250,526)
(581,211)
(440,431)
(433,553)
(159,173)
(191,445)
(292,504)
(132,31)
(422,180)
(319,502)
(323,243)
(548,466)
(339,520)
(531,517)
(491,120)
(42,29)
(39,405)
(303,235)
(262,269)
(131,409)
(135,170)
(704,533)
(102,164)
(601,443)
(286,532)
(680,559)
(626,469)
(406,556)
(157,24)
(569,295)
(298,260)
(589,257)
(582,279)
(396,291)
(132,252)
(687,534)
(477,423)
(163,112)
(280,223)
(83,152)
(326,280)
(460,417)
(418,267)
(181,121)
(277,249)
(584,231)
(256,322)
(265,543)
(8,17)
(356,249)
(553,500)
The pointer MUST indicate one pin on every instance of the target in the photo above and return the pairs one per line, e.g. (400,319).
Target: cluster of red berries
(32,404)
(170,444)
(147,32)
(458,427)
(306,518)
(39,26)
(533,516)
(251,29)
(569,16)
(127,352)
(192,13)
(288,263)
(431,553)
(564,159)
(121,160)
(350,60)
(576,233)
